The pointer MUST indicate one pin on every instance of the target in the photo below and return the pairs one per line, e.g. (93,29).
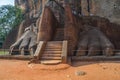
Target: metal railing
(7,51)
(96,50)
(116,52)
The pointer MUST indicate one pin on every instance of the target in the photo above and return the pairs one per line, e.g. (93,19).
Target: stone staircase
(59,34)
(52,52)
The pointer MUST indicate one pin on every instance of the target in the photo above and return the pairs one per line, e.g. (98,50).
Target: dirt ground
(21,70)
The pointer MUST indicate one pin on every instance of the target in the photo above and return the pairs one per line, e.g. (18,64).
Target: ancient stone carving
(27,40)
(93,41)
(97,38)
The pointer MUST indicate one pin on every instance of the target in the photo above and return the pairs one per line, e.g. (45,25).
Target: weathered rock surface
(68,17)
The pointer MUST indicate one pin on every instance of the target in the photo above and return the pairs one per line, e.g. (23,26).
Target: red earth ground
(21,70)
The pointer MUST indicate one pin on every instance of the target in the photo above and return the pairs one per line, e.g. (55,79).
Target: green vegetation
(10,17)
(4,52)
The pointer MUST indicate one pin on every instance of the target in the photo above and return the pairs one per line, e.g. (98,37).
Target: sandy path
(20,70)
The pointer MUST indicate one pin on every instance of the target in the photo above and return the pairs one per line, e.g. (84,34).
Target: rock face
(104,8)
(32,10)
(71,16)
(109,9)
(93,40)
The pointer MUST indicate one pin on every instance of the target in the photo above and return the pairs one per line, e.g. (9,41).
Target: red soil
(21,70)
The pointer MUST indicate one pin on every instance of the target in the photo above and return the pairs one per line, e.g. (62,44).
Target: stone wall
(104,8)
(109,9)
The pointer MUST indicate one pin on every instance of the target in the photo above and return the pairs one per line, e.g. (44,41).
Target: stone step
(50,58)
(51,55)
(59,34)
(52,49)
(50,62)
(60,30)
(52,52)
(54,46)
(54,42)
